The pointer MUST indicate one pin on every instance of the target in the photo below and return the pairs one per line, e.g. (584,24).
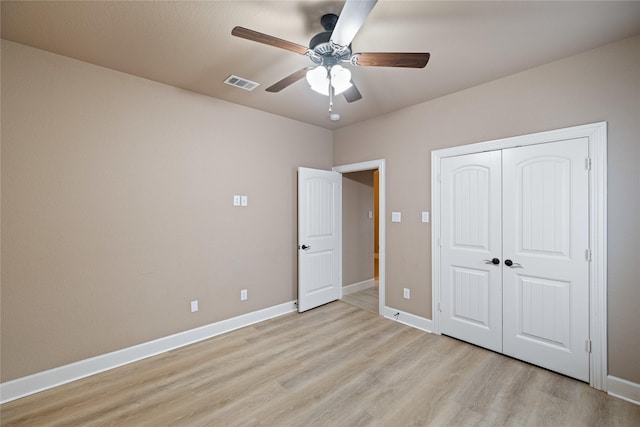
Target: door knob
(492,261)
(510,263)
(305,247)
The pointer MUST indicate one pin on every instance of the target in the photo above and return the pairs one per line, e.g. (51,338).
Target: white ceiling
(189,44)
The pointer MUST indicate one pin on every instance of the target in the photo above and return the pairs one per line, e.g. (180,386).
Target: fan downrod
(329,21)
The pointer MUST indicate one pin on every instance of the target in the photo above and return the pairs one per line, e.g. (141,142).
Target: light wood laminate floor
(366,299)
(336,365)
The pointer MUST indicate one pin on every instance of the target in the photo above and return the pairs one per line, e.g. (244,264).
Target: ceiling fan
(331,48)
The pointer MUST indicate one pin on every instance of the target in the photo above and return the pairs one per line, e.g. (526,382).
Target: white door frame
(597,136)
(364,166)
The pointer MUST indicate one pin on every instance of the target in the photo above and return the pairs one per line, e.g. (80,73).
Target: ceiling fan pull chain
(330,95)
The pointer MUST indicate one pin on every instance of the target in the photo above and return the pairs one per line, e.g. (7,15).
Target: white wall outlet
(236,200)
(243,201)
(425,216)
(194,306)
(396,216)
(370,214)
(406,293)
(244,295)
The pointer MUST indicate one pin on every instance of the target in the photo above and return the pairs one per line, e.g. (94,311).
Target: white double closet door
(514,236)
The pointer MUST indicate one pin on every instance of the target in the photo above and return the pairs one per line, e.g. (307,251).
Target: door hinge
(439,309)
(587,163)
(587,255)
(587,346)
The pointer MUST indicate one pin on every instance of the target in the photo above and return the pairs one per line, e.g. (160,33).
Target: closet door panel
(471,237)
(545,236)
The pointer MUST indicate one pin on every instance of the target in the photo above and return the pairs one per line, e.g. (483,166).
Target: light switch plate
(236,200)
(396,216)
(425,216)
(243,201)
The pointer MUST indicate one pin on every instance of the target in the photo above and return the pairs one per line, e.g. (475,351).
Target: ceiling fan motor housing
(322,50)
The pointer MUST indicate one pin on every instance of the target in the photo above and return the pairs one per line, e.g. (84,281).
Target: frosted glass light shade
(318,79)
(340,79)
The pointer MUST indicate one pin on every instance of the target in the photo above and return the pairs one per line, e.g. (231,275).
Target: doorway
(359,234)
(379,226)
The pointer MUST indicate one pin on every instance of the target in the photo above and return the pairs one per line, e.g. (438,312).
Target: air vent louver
(241,83)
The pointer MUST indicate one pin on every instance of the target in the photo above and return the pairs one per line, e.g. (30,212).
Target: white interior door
(319,237)
(471,231)
(527,207)
(546,236)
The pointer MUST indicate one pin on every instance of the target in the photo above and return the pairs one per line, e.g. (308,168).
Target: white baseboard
(44,380)
(360,286)
(409,319)
(623,389)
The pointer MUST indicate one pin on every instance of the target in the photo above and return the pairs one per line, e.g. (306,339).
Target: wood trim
(360,286)
(598,246)
(623,389)
(380,166)
(597,135)
(409,319)
(44,380)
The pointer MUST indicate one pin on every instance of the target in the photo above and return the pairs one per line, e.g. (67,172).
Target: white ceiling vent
(241,83)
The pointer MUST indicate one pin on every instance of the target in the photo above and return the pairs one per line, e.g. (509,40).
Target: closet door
(471,227)
(545,229)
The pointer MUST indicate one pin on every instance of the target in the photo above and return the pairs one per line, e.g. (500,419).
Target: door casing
(380,166)
(597,137)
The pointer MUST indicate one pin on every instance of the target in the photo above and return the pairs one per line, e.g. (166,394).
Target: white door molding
(380,166)
(597,136)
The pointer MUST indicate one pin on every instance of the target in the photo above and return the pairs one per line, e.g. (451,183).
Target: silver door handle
(512,264)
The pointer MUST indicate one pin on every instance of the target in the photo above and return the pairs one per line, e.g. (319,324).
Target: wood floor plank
(337,365)
(366,299)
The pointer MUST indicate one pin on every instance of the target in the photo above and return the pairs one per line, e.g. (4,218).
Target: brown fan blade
(352,94)
(288,81)
(391,59)
(255,36)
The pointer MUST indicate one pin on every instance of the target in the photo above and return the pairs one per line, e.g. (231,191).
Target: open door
(319,237)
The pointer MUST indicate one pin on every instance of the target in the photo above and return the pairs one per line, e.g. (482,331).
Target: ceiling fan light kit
(332,47)
(336,77)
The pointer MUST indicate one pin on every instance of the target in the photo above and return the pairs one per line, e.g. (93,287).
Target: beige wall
(116,197)
(357,228)
(599,85)
(117,209)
